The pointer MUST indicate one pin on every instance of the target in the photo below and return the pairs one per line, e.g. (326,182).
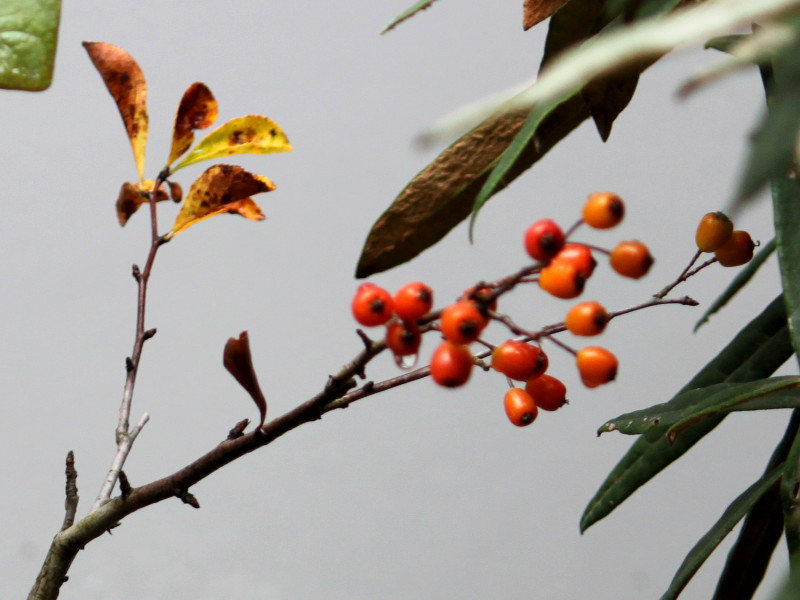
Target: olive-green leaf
(785,202)
(28,39)
(756,352)
(407,14)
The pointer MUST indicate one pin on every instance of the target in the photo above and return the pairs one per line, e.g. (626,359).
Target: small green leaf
(741,279)
(706,544)
(407,14)
(28,40)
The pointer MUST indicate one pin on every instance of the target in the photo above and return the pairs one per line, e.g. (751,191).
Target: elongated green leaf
(741,279)
(706,544)
(695,405)
(407,14)
(790,590)
(790,500)
(748,559)
(28,40)
(786,207)
(756,352)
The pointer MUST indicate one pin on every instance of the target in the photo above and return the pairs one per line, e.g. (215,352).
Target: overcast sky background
(416,493)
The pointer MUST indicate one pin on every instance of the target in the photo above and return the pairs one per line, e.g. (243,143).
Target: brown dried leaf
(221,189)
(239,363)
(125,80)
(133,195)
(536,11)
(197,110)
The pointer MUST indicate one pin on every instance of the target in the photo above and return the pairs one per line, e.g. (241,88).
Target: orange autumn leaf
(133,195)
(239,363)
(125,80)
(536,11)
(197,110)
(221,189)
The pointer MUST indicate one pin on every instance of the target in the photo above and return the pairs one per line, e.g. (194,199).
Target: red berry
(603,210)
(631,259)
(737,251)
(518,360)
(403,338)
(596,366)
(544,239)
(372,305)
(520,407)
(462,322)
(547,391)
(587,318)
(413,301)
(562,279)
(451,364)
(580,256)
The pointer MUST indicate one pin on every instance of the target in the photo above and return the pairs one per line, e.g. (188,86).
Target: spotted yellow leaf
(197,110)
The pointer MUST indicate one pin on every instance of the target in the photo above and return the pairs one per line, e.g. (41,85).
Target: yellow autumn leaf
(125,81)
(252,134)
(197,110)
(221,189)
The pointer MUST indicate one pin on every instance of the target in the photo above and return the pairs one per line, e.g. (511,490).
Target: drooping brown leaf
(125,80)
(237,360)
(536,11)
(197,110)
(133,195)
(221,189)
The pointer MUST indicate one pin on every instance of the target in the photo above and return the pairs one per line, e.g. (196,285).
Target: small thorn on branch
(124,485)
(238,429)
(187,498)
(149,333)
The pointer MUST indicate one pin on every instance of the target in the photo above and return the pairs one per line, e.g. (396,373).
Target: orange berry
(547,391)
(462,322)
(580,256)
(480,297)
(544,239)
(451,364)
(562,279)
(519,360)
(520,407)
(587,318)
(403,338)
(413,301)
(631,259)
(372,305)
(596,366)
(603,210)
(737,251)
(714,230)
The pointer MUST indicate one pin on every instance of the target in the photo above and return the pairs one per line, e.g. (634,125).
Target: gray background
(417,493)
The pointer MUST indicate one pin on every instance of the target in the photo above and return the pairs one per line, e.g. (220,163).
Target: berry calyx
(372,305)
(462,322)
(413,301)
(519,360)
(714,230)
(562,279)
(587,318)
(631,259)
(738,250)
(580,256)
(596,366)
(451,364)
(544,239)
(603,210)
(520,407)
(547,392)
(403,338)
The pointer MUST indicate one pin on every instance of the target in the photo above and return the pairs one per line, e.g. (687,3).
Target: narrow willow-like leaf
(706,544)
(28,39)
(790,590)
(756,352)
(407,14)
(749,557)
(785,201)
(741,279)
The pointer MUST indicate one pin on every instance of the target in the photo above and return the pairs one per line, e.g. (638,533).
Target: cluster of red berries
(562,270)
(715,234)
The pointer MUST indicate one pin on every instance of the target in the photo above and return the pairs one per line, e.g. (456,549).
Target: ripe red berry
(580,256)
(562,279)
(547,391)
(451,364)
(544,239)
(403,338)
(596,366)
(738,250)
(462,322)
(586,318)
(519,360)
(603,210)
(520,407)
(714,230)
(480,297)
(631,259)
(372,305)
(413,301)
